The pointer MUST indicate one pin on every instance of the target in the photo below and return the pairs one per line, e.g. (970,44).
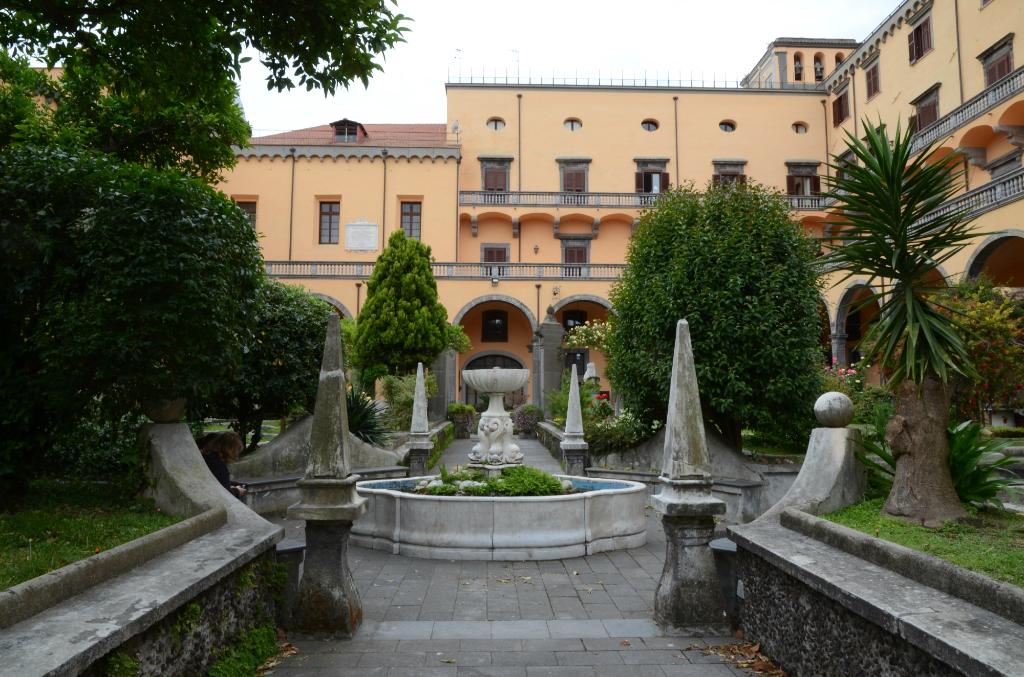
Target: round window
(572,124)
(727,126)
(496,124)
(649,125)
(800,127)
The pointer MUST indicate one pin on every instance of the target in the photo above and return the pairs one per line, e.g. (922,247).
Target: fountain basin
(495,379)
(605,515)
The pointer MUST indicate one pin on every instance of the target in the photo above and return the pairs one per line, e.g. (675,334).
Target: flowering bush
(847,380)
(525,419)
(591,334)
(614,435)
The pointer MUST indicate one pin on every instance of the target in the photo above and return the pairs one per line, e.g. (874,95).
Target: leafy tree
(402,322)
(188,46)
(732,262)
(281,358)
(994,335)
(119,284)
(881,205)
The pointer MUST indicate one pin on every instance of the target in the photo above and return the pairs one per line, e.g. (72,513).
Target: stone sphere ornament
(834,410)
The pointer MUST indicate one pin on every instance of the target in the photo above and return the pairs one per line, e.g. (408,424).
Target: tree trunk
(922,489)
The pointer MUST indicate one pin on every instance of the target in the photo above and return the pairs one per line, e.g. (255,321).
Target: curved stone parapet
(607,515)
(830,478)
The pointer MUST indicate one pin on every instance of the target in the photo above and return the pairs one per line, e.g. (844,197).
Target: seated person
(218,450)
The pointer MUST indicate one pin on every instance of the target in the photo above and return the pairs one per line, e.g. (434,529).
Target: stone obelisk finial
(328,455)
(688,593)
(574,447)
(686,447)
(420,444)
(328,601)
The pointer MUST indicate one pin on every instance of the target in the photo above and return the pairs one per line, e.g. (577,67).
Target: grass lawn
(60,523)
(756,445)
(989,542)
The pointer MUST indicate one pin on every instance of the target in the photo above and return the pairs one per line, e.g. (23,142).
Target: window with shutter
(997,60)
(841,108)
(574,180)
(919,40)
(651,176)
(496,176)
(926,108)
(249,207)
(494,254)
(871,74)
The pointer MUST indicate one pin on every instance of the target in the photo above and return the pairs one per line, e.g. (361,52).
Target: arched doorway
(573,311)
(489,361)
(857,312)
(498,325)
(1000,259)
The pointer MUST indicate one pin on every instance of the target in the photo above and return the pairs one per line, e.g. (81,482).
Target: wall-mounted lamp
(494,282)
(536,248)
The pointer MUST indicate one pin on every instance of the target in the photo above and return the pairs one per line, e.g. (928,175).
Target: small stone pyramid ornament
(574,447)
(420,444)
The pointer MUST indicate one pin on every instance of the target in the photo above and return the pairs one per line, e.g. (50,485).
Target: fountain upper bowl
(495,380)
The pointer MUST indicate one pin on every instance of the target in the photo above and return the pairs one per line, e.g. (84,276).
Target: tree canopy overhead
(183,45)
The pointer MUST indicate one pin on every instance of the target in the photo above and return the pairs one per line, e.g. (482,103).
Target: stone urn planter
(165,411)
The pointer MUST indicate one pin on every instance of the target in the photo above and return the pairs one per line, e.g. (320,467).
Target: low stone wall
(188,642)
(822,599)
(550,436)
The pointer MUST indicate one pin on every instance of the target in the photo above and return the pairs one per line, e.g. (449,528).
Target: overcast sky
(664,38)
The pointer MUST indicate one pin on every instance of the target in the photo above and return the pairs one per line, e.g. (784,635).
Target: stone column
(550,371)
(328,601)
(420,444)
(688,593)
(573,445)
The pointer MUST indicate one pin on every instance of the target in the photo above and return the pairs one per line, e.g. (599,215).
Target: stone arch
(848,303)
(334,303)
(465,390)
(582,297)
(980,256)
(501,298)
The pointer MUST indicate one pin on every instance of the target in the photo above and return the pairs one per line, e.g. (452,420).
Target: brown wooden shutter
(665,181)
(790,185)
(741,178)
(912,123)
(836,120)
(716,179)
(639,182)
(912,45)
(925,41)
(815,185)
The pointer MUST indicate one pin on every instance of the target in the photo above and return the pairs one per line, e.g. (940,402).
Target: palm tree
(891,232)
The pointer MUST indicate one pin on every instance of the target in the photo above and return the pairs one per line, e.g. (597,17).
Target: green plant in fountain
(890,233)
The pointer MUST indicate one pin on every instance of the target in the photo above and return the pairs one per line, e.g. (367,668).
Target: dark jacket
(220,470)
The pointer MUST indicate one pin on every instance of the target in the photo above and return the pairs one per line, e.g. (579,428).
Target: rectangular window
(803,185)
(493,254)
(841,108)
(574,179)
(573,318)
(330,222)
(496,176)
(845,160)
(1004,165)
(871,74)
(998,60)
(579,357)
(926,109)
(249,207)
(495,327)
(575,255)
(411,212)
(920,39)
(651,176)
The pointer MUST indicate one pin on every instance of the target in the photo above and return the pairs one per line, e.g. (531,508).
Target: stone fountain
(495,450)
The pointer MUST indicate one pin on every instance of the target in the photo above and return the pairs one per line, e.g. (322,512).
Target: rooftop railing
(972,108)
(644,80)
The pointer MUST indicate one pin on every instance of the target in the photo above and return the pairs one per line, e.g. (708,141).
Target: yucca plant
(366,418)
(891,233)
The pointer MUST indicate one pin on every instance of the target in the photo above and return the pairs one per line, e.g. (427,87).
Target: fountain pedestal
(496,450)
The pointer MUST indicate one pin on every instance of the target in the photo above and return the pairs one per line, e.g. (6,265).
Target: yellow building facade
(529,192)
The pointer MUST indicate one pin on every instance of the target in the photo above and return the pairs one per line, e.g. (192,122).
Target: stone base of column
(418,457)
(328,601)
(689,593)
(575,463)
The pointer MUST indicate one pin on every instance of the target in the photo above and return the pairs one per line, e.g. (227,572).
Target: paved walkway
(581,617)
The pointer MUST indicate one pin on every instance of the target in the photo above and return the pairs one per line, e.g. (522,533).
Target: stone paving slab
(578,617)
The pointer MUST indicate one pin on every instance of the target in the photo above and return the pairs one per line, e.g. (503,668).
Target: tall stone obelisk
(420,444)
(328,601)
(688,593)
(574,447)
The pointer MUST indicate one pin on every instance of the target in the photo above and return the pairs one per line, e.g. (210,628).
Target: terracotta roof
(400,135)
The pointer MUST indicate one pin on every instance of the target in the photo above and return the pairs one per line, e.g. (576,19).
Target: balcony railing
(542,199)
(993,194)
(972,108)
(447,271)
(481,198)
